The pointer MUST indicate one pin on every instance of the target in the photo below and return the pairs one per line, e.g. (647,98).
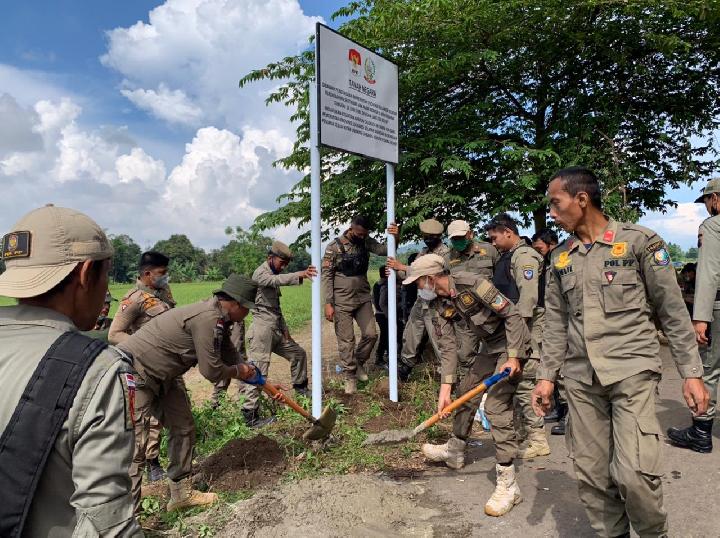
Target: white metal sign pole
(392,279)
(315,256)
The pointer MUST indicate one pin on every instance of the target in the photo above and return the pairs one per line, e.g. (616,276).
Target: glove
(257,379)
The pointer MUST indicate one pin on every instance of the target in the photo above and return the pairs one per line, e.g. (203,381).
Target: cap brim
(700,199)
(410,279)
(26,282)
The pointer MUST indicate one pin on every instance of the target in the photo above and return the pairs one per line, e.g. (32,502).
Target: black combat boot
(301,389)
(253,420)
(697,437)
(154,470)
(404,371)
(559,428)
(558,413)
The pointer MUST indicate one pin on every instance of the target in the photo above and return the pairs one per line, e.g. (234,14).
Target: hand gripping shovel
(320,428)
(397,436)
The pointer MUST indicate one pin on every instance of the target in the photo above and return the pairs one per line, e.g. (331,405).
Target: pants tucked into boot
(350,356)
(614,438)
(169,403)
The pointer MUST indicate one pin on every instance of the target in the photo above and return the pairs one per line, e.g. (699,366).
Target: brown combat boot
(182,496)
(452,453)
(350,386)
(536,445)
(360,373)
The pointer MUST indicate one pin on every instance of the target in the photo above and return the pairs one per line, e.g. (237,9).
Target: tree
(675,251)
(495,96)
(125,259)
(692,253)
(249,249)
(180,250)
(301,260)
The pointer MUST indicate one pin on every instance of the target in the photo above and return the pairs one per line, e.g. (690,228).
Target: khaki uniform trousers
(498,406)
(523,397)
(419,324)
(169,403)
(711,366)
(468,347)
(351,356)
(614,439)
(153,439)
(263,341)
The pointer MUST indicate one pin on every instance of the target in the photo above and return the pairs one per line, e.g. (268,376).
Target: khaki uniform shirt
(137,307)
(85,487)
(267,301)
(487,311)
(197,334)
(527,266)
(341,290)
(707,281)
(479,259)
(598,308)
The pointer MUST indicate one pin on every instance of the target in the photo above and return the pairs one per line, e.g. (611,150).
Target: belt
(717,295)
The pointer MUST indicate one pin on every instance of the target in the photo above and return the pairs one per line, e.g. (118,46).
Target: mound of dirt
(357,505)
(244,464)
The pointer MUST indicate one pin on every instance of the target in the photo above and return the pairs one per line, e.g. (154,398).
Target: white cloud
(678,225)
(138,165)
(172,106)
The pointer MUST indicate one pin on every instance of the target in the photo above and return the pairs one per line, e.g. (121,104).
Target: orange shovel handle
(272,391)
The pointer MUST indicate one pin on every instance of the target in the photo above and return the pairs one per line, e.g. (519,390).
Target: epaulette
(647,232)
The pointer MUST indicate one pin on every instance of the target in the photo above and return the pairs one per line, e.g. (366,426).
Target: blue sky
(130,112)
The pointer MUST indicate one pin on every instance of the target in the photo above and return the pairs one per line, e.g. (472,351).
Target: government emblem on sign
(369,70)
(355,61)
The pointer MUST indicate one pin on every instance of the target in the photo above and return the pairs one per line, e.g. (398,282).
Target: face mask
(460,244)
(432,242)
(427,294)
(272,268)
(161,281)
(357,240)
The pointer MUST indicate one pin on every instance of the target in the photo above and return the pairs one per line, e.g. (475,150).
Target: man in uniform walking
(418,325)
(61,390)
(706,314)
(471,256)
(149,297)
(606,282)
(347,296)
(518,274)
(499,325)
(269,332)
(163,350)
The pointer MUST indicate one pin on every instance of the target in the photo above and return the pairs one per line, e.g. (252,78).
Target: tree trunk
(540,218)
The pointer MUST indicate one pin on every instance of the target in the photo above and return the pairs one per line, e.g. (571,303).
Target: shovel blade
(388,436)
(323,426)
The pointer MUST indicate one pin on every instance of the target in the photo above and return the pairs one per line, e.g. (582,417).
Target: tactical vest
(503,278)
(353,264)
(30,436)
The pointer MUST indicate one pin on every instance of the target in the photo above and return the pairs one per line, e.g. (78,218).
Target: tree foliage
(692,253)
(180,250)
(125,259)
(495,96)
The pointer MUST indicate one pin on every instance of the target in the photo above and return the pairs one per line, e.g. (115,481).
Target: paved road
(551,506)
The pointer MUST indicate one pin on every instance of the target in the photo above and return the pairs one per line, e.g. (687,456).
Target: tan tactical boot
(182,496)
(360,373)
(536,445)
(452,453)
(350,386)
(506,494)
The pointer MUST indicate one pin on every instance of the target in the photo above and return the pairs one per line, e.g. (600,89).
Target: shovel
(397,436)
(320,428)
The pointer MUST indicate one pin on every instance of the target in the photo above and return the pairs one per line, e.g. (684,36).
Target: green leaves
(496,96)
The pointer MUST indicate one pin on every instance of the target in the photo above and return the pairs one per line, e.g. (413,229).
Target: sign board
(357,97)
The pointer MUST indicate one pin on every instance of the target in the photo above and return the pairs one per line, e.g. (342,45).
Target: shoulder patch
(656,245)
(661,257)
(127,380)
(499,302)
(528,272)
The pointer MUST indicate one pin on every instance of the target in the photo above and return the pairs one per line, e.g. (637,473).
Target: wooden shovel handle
(463,399)
(272,391)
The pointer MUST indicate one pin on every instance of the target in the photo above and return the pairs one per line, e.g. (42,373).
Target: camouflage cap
(432,227)
(241,288)
(712,186)
(281,250)
(458,228)
(429,264)
(45,246)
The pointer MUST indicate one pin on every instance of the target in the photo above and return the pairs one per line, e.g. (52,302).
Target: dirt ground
(420,500)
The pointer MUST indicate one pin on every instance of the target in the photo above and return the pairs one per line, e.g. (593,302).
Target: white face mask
(425,293)
(161,281)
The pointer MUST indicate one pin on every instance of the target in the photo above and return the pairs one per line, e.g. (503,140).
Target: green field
(295,299)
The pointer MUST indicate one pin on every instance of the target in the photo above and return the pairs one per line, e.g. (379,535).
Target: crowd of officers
(576,325)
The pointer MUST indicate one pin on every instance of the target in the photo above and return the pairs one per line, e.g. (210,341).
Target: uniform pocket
(648,445)
(620,291)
